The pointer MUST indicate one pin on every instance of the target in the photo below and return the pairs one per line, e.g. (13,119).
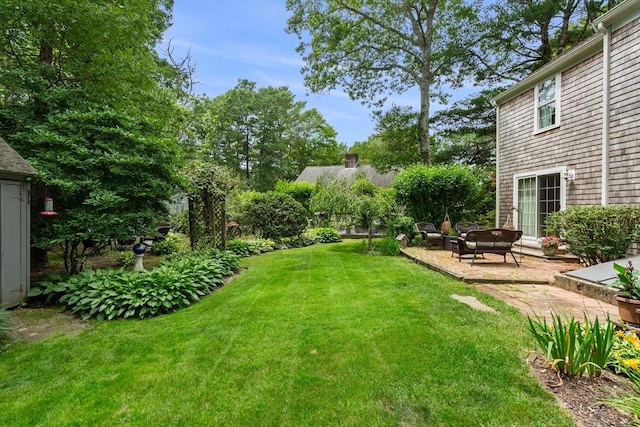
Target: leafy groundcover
(110,293)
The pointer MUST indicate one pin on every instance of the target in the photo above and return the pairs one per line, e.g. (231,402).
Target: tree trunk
(425,85)
(45,55)
(423,126)
(193,225)
(39,258)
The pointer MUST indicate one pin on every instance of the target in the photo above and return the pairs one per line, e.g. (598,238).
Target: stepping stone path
(472,302)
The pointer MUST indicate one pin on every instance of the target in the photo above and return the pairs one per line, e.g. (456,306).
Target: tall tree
(85,97)
(466,131)
(372,48)
(522,35)
(394,145)
(311,141)
(262,134)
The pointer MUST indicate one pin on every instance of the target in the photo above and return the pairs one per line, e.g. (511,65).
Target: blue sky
(245,39)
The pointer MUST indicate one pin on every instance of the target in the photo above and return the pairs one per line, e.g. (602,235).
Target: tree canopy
(374,48)
(262,134)
(86,99)
(522,35)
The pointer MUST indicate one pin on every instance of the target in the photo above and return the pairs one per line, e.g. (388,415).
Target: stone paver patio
(491,269)
(529,288)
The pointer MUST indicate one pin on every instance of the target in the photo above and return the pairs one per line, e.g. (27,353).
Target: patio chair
(462,228)
(430,234)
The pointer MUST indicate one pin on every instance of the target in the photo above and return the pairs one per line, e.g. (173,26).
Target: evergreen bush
(167,246)
(402,224)
(275,215)
(596,234)
(429,192)
(302,192)
(126,259)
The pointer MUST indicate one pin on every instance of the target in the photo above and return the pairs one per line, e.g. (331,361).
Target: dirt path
(32,324)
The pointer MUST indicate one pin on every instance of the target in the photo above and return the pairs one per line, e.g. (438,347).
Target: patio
(492,268)
(537,287)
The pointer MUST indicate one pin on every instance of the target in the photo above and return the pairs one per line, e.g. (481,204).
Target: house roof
(591,46)
(12,162)
(312,173)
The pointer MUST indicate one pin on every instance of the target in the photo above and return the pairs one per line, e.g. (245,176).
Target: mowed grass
(318,336)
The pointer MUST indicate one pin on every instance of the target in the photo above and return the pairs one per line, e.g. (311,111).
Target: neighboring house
(348,171)
(569,134)
(15,226)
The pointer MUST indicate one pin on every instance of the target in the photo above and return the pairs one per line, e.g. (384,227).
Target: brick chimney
(351,160)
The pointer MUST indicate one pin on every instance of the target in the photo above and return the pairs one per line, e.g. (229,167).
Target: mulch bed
(583,396)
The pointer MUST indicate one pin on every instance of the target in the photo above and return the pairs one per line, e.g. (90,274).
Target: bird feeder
(48,207)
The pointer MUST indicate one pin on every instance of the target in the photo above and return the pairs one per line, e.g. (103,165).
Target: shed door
(12,244)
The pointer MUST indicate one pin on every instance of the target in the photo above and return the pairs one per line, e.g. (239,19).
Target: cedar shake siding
(576,142)
(624,172)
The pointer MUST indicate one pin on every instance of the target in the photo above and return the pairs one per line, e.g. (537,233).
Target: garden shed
(15,225)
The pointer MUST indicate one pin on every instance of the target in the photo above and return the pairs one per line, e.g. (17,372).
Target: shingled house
(569,134)
(351,166)
(15,174)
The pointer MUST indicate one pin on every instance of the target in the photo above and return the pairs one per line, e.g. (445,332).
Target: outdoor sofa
(494,240)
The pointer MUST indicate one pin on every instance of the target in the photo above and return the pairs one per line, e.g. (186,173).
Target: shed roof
(312,173)
(12,162)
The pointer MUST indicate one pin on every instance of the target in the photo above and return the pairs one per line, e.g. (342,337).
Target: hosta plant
(325,235)
(109,294)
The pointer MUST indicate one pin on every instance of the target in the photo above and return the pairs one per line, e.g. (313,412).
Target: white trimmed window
(547,97)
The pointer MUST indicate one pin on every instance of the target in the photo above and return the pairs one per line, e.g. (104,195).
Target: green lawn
(318,336)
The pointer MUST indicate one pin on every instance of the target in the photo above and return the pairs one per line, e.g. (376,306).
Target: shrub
(428,192)
(250,247)
(179,222)
(126,259)
(238,247)
(596,234)
(296,242)
(325,235)
(302,192)
(571,348)
(4,330)
(402,224)
(167,246)
(110,294)
(275,215)
(388,246)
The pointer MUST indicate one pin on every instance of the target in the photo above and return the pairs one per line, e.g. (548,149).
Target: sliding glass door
(537,196)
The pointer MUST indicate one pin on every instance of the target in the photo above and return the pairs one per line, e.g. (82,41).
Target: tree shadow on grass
(358,246)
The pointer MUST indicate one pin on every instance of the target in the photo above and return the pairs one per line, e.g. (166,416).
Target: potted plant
(628,297)
(550,244)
